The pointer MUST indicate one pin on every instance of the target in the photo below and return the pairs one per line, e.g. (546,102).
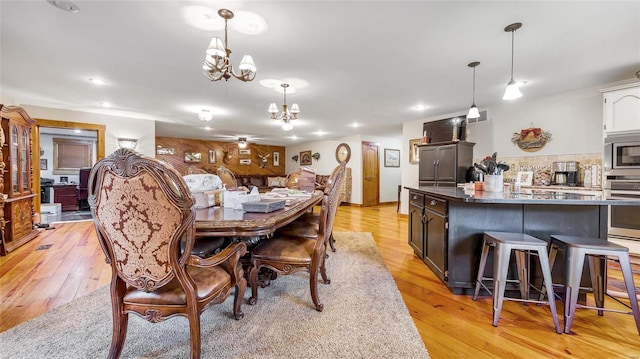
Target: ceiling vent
(483,118)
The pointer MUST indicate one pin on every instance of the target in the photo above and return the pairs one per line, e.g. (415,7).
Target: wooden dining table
(229,222)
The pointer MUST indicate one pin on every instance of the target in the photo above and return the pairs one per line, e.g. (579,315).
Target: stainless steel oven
(622,181)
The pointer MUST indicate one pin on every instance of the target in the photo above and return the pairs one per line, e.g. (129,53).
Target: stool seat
(590,243)
(596,250)
(505,243)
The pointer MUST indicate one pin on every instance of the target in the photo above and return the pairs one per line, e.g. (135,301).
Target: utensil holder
(493,183)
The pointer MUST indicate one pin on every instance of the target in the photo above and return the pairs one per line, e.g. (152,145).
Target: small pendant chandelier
(513,89)
(287,114)
(473,111)
(217,65)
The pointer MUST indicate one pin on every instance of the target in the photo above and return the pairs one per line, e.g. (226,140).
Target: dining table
(230,222)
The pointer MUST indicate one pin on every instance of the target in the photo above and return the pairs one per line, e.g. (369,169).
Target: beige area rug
(364,317)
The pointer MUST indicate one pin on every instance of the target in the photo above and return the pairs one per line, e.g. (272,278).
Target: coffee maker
(560,173)
(572,173)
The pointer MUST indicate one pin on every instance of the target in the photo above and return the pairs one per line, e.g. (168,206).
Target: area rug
(364,317)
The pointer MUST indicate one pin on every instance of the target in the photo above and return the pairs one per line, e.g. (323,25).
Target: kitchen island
(446,225)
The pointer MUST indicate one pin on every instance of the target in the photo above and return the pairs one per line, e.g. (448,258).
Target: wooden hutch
(16,167)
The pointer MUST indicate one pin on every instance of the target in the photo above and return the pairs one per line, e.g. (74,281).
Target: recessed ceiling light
(320,133)
(97,81)
(64,5)
(355,125)
(77,131)
(294,137)
(420,107)
(207,128)
(105,104)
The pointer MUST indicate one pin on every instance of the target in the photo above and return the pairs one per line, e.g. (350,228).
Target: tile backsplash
(539,163)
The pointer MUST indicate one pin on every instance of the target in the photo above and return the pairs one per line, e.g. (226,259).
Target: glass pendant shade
(247,64)
(242,142)
(295,108)
(473,112)
(273,108)
(216,48)
(205,116)
(512,92)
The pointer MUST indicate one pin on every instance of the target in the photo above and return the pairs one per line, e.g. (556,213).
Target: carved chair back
(227,177)
(330,206)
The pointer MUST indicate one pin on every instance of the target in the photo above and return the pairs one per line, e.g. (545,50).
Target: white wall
(116,127)
(573,118)
(389,176)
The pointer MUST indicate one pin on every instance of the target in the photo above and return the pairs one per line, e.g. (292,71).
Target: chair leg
(548,282)
(483,263)
(313,285)
(241,286)
(194,331)
(253,281)
(120,323)
(500,270)
(553,251)
(596,270)
(323,270)
(575,260)
(523,275)
(332,242)
(627,274)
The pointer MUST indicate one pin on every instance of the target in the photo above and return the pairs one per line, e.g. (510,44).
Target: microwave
(622,154)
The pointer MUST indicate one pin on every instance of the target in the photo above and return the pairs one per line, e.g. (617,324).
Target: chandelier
(287,115)
(205,116)
(217,65)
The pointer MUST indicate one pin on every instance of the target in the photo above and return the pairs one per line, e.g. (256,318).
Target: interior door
(370,174)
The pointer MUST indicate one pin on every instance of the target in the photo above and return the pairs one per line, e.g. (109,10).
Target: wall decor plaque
(531,139)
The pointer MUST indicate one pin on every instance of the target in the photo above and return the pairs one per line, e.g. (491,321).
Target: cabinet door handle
(432,203)
(430,219)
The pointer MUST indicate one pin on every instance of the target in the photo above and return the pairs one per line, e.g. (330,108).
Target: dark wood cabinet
(16,202)
(444,163)
(416,223)
(67,196)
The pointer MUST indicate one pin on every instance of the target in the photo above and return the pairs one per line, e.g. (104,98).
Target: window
(69,155)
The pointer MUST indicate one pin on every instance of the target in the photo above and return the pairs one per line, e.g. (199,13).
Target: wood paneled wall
(227,154)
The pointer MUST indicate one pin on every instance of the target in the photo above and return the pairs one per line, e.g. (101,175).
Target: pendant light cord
(474,85)
(512,42)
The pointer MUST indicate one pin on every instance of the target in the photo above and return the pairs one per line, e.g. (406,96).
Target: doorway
(43,126)
(370,174)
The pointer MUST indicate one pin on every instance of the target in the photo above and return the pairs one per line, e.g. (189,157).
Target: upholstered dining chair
(291,181)
(227,177)
(142,211)
(286,254)
(193,170)
(307,224)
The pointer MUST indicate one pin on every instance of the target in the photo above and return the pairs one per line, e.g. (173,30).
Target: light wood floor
(452,326)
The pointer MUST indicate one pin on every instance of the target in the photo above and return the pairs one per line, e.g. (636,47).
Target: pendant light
(473,111)
(513,89)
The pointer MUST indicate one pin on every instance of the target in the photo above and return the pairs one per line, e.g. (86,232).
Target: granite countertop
(524,196)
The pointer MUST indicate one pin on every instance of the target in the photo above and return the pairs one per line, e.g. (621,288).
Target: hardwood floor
(452,326)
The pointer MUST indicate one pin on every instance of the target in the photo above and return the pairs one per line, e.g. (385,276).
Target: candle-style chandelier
(287,114)
(217,65)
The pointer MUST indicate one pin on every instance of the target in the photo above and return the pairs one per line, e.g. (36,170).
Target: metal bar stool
(596,250)
(523,244)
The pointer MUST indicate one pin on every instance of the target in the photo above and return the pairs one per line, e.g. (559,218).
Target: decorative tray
(264,205)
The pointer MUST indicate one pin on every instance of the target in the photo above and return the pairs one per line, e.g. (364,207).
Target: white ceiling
(364,61)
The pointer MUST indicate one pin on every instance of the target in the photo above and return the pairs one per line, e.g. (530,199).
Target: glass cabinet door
(14,159)
(24,161)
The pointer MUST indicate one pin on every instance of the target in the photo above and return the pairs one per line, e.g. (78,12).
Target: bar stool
(596,249)
(504,243)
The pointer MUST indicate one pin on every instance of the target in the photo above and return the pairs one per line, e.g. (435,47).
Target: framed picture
(43,164)
(244,152)
(305,158)
(414,151)
(525,178)
(276,159)
(391,158)
(160,150)
(245,161)
(212,156)
(192,157)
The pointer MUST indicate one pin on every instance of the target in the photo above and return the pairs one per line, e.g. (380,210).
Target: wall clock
(343,153)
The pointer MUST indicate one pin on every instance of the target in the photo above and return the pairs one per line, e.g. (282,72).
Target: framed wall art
(245,161)
(391,158)
(414,151)
(192,157)
(212,156)
(160,150)
(244,152)
(43,163)
(305,158)
(525,178)
(276,159)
